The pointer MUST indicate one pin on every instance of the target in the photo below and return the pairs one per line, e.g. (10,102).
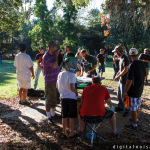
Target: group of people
(60,85)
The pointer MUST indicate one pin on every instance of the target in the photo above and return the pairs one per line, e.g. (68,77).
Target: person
(24,70)
(88,64)
(60,58)
(100,61)
(115,64)
(68,94)
(38,58)
(1,56)
(51,71)
(121,76)
(67,50)
(146,59)
(134,87)
(92,104)
(79,60)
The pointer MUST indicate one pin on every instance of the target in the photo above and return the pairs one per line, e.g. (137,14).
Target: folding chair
(93,120)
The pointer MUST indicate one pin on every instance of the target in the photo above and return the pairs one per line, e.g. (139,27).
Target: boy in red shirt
(92,104)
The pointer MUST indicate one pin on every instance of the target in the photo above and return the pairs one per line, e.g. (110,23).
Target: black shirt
(88,65)
(60,59)
(65,55)
(101,58)
(136,73)
(145,57)
(124,61)
(117,61)
(39,57)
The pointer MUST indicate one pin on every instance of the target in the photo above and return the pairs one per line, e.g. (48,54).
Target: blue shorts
(135,103)
(101,68)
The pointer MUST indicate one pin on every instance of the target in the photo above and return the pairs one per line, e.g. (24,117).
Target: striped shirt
(50,74)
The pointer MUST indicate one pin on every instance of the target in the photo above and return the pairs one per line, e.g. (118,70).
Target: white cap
(133,51)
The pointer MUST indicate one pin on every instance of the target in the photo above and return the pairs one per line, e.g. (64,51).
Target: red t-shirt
(93,100)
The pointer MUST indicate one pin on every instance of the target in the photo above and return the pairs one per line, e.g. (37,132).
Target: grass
(8,81)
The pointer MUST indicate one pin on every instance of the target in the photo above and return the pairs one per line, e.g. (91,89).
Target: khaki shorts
(147,71)
(24,83)
(51,95)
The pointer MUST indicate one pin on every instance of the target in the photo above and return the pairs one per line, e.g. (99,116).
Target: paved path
(36,114)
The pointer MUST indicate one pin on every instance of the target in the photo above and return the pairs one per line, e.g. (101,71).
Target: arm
(128,85)
(98,61)
(82,70)
(105,61)
(57,86)
(55,61)
(32,71)
(73,89)
(108,101)
(94,67)
(39,64)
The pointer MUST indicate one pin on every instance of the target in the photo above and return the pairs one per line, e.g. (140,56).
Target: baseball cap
(79,49)
(118,48)
(41,48)
(145,49)
(102,49)
(52,43)
(133,51)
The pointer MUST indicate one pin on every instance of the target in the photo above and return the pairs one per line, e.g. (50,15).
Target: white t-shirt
(23,62)
(64,79)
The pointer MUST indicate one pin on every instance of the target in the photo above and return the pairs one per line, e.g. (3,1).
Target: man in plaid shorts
(134,87)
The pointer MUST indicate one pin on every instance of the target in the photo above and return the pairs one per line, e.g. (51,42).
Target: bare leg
(71,123)
(112,121)
(80,123)
(64,123)
(20,93)
(134,117)
(138,112)
(47,109)
(24,94)
(101,74)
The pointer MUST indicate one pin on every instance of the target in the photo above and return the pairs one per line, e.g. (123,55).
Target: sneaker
(126,114)
(50,121)
(73,137)
(62,136)
(79,133)
(115,134)
(130,127)
(118,109)
(56,117)
(131,120)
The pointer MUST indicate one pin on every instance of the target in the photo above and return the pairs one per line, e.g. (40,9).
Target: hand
(125,94)
(88,73)
(116,78)
(41,68)
(115,66)
(56,53)
(81,75)
(33,76)
(105,64)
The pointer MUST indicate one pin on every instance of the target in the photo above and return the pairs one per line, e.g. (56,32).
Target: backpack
(35,93)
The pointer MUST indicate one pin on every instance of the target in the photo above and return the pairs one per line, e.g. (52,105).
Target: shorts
(135,103)
(147,71)
(24,83)
(98,119)
(51,95)
(69,108)
(101,68)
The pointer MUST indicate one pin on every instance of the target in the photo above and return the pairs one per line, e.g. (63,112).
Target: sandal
(62,136)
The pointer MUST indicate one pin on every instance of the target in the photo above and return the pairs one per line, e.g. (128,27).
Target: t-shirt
(93,100)
(39,57)
(145,57)
(117,61)
(60,59)
(136,73)
(64,79)
(88,64)
(65,55)
(101,58)
(23,62)
(124,61)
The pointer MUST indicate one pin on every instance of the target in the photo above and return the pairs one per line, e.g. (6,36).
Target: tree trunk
(12,46)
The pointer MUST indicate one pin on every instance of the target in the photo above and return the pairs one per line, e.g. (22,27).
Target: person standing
(146,59)
(67,50)
(51,71)
(88,64)
(115,64)
(122,77)
(100,61)
(134,87)
(68,94)
(24,70)
(38,58)
(60,58)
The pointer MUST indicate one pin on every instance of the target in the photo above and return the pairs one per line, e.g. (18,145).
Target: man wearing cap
(134,87)
(146,59)
(38,58)
(51,71)
(88,64)
(100,61)
(24,70)
(121,76)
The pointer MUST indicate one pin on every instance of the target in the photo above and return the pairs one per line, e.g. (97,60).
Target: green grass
(8,81)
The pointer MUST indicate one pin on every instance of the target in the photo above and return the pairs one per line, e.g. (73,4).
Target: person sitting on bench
(92,104)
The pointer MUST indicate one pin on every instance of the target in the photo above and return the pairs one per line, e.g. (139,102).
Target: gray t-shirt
(88,65)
